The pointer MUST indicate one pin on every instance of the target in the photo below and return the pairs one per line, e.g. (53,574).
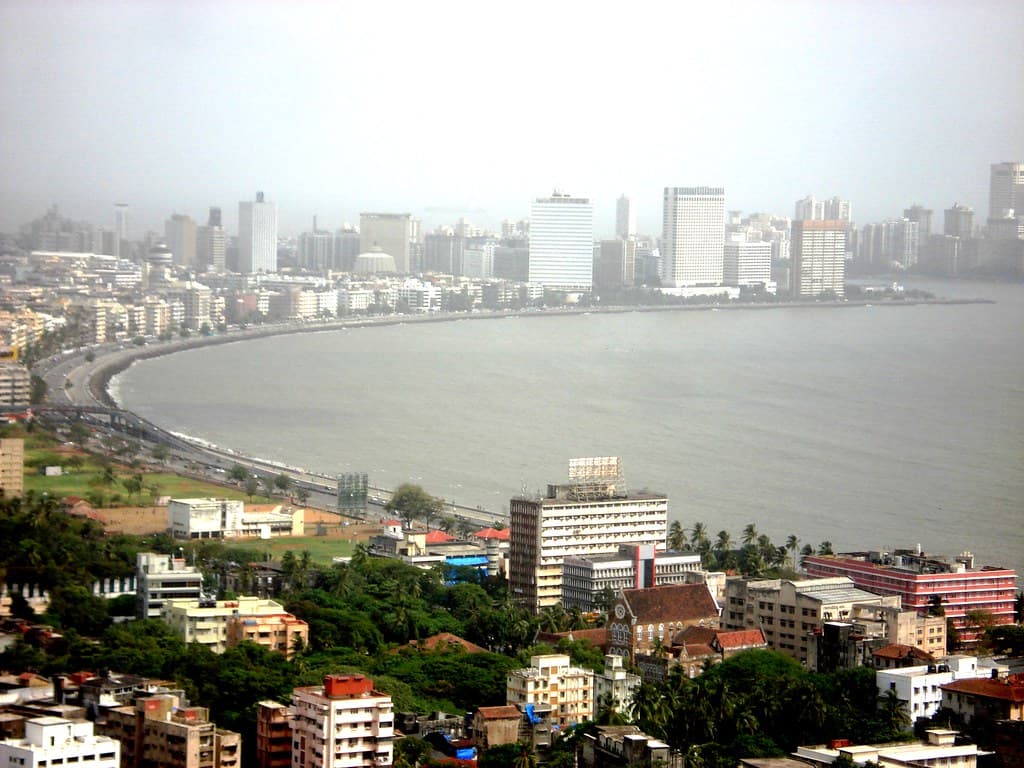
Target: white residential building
(550,680)
(55,741)
(818,255)
(343,723)
(585,580)
(747,263)
(162,577)
(562,242)
(1006,189)
(920,688)
(615,683)
(693,236)
(257,236)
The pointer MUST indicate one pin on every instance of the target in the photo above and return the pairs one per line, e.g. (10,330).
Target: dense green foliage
(367,615)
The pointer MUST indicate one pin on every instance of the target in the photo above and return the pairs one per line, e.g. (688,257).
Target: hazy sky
(446,109)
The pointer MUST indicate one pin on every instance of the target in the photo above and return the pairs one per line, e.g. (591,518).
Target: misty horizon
(442,112)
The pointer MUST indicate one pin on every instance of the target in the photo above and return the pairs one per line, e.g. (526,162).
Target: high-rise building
(257,236)
(1006,190)
(120,228)
(562,242)
(693,236)
(614,264)
(923,217)
(837,209)
(551,680)
(809,209)
(159,578)
(625,218)
(958,221)
(180,237)
(747,262)
(818,254)
(211,243)
(592,515)
(391,233)
(343,723)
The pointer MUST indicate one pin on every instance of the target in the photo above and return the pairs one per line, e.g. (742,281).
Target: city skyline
(796,100)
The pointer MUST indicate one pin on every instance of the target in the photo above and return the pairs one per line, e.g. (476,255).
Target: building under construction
(593,514)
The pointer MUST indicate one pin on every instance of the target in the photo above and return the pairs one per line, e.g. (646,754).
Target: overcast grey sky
(472,108)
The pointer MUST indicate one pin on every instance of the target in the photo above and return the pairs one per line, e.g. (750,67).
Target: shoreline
(114,363)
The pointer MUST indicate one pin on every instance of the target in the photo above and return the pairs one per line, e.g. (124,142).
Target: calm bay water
(869,427)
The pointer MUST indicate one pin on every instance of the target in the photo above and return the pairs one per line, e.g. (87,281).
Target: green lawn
(321,548)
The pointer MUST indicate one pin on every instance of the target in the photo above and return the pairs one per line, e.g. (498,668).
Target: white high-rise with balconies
(1006,190)
(562,242)
(343,723)
(257,236)
(693,236)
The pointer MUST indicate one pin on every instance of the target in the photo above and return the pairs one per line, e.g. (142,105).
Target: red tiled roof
(504,534)
(392,522)
(504,712)
(698,650)
(901,651)
(447,640)
(671,602)
(1008,689)
(438,537)
(692,635)
(741,638)
(596,637)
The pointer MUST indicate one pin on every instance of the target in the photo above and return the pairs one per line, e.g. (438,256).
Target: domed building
(374,262)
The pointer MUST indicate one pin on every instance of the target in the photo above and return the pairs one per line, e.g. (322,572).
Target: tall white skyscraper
(818,254)
(693,236)
(1006,190)
(562,242)
(809,209)
(625,218)
(257,236)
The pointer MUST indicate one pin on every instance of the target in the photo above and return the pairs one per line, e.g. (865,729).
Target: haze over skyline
(452,109)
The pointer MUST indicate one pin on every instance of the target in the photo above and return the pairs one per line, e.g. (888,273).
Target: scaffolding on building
(593,478)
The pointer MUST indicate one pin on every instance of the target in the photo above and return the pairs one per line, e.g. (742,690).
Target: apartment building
(273,735)
(790,612)
(162,577)
(12,466)
(158,732)
(54,741)
(343,723)
(920,687)
(551,681)
(221,624)
(922,580)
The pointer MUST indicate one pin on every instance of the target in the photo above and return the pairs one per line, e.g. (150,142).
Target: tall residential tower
(693,236)
(562,242)
(257,236)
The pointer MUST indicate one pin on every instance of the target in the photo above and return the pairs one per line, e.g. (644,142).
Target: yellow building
(551,681)
(221,624)
(12,466)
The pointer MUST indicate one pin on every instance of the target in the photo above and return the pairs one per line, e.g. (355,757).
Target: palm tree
(792,544)
(723,543)
(825,548)
(894,711)
(676,537)
(749,534)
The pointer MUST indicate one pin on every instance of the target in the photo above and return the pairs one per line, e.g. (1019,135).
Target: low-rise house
(230,518)
(999,697)
(897,656)
(919,688)
(493,726)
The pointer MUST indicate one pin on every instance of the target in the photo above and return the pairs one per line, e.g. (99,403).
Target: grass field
(321,548)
